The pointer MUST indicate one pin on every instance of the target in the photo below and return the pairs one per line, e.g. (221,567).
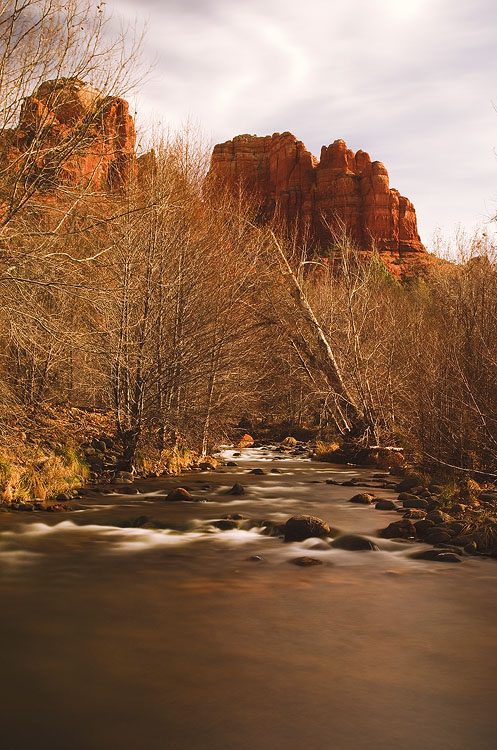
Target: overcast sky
(413,82)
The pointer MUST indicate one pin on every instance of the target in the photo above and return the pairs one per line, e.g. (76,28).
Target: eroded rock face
(316,196)
(97,132)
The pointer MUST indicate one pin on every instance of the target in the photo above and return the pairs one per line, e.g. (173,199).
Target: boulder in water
(385,505)
(178,495)
(437,555)
(298,528)
(354,543)
(404,529)
(364,498)
(225,524)
(306,562)
(436,535)
(237,489)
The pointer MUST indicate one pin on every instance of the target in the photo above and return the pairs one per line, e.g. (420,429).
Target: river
(175,639)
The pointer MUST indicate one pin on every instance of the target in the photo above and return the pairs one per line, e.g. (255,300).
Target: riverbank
(455,518)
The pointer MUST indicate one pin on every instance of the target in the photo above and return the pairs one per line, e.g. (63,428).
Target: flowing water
(174,639)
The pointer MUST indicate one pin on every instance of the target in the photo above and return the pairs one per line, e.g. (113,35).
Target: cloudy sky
(413,82)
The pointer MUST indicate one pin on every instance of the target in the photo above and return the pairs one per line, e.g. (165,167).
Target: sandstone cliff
(70,135)
(291,185)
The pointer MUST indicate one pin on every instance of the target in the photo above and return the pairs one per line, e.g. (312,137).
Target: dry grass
(169,461)
(34,473)
(326,451)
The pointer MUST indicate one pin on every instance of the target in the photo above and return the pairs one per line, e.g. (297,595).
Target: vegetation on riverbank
(169,314)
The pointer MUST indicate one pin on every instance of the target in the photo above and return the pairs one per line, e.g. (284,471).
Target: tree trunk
(318,351)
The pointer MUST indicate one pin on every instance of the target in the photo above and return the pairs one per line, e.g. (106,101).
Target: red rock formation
(293,186)
(75,137)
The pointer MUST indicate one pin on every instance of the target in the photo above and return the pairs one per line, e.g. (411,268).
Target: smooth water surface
(172,638)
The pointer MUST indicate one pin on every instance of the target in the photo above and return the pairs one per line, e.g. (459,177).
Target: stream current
(175,639)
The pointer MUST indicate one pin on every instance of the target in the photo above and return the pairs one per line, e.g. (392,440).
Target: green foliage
(380,272)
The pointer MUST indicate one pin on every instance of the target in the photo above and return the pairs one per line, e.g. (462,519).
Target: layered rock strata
(316,197)
(71,135)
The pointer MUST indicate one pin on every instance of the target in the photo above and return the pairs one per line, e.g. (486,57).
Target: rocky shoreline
(455,521)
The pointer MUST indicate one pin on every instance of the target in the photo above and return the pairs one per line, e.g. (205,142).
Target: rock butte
(290,184)
(98,131)
(296,189)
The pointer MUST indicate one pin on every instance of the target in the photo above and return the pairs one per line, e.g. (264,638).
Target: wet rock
(298,528)
(257,471)
(462,540)
(363,498)
(26,507)
(237,489)
(437,516)
(275,471)
(306,562)
(349,483)
(434,504)
(436,535)
(415,513)
(129,490)
(139,522)
(435,488)
(408,483)
(271,528)
(231,463)
(63,497)
(236,455)
(415,502)
(385,505)
(324,546)
(235,517)
(354,543)
(404,529)
(406,496)
(437,555)
(456,526)
(289,442)
(208,465)
(178,495)
(332,481)
(423,526)
(449,548)
(225,524)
